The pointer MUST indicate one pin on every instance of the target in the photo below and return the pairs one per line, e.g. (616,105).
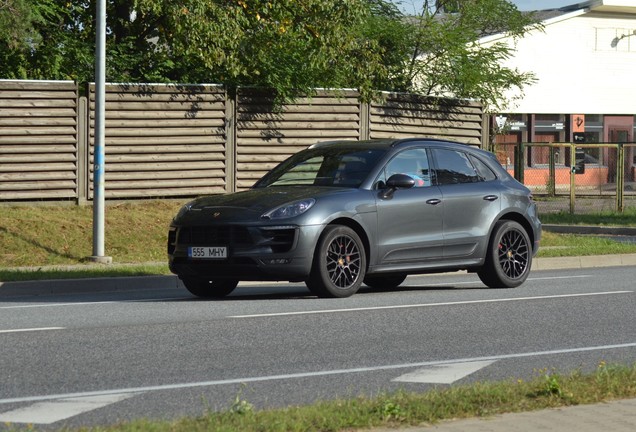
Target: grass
(562,245)
(52,242)
(62,235)
(626,218)
(548,389)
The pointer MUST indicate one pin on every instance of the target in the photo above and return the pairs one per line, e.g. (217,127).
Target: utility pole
(98,173)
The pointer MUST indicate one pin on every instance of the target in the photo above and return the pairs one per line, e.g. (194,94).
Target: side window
(454,167)
(483,170)
(413,162)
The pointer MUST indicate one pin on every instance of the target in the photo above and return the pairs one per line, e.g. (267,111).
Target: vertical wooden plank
(230,142)
(82,151)
(365,121)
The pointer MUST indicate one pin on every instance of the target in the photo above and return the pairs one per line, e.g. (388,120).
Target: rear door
(471,199)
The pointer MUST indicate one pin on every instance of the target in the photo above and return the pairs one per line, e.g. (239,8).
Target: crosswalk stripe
(53,411)
(443,374)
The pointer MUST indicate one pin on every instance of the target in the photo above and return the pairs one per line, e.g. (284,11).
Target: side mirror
(400,181)
(397,181)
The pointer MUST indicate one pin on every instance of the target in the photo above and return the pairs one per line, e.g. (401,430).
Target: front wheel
(509,256)
(339,263)
(209,289)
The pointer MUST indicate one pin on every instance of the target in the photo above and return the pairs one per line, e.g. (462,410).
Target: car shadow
(168,288)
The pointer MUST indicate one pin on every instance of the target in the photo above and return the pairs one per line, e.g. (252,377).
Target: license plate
(207,252)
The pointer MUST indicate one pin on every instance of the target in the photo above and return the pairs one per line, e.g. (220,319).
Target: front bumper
(254,252)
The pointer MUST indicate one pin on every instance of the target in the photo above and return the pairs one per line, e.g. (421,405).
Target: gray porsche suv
(340,214)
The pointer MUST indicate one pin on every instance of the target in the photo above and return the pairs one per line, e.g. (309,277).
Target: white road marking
(44,305)
(53,411)
(421,305)
(476,282)
(246,380)
(444,373)
(31,329)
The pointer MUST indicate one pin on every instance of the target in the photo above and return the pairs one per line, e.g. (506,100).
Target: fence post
(620,178)
(365,120)
(552,172)
(230,141)
(572,178)
(519,161)
(83,172)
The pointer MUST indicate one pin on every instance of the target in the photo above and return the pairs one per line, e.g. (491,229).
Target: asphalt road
(90,359)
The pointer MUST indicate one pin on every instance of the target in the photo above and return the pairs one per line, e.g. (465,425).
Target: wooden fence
(187,140)
(39,133)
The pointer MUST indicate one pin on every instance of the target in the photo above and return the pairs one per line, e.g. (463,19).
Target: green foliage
(290,46)
(446,58)
(604,218)
(16,19)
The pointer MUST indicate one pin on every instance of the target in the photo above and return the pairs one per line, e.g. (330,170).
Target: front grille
(214,235)
(276,239)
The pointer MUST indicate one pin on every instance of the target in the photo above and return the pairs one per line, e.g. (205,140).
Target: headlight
(290,210)
(183,210)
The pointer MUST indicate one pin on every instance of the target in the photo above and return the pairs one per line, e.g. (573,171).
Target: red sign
(578,123)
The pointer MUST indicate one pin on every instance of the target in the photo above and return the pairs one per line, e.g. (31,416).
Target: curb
(579,262)
(589,229)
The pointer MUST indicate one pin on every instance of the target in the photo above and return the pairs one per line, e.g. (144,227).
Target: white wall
(577,68)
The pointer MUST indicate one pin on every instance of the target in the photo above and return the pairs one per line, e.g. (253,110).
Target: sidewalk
(615,416)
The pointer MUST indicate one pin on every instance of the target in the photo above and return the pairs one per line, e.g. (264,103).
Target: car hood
(248,205)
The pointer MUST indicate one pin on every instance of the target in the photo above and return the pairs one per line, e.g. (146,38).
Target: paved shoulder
(615,416)
(590,261)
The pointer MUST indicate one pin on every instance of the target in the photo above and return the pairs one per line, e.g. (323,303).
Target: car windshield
(341,166)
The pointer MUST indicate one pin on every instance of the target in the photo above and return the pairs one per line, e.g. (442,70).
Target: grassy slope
(62,235)
(136,232)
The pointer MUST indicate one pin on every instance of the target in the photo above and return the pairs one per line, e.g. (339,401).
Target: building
(585,64)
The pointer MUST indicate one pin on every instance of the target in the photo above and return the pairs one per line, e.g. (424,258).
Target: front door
(410,227)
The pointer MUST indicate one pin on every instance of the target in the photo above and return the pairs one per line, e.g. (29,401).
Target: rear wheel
(509,256)
(209,289)
(339,263)
(385,281)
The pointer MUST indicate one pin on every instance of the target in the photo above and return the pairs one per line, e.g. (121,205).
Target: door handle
(434,201)
(491,197)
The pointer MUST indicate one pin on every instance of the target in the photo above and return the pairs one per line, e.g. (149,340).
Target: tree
(292,46)
(16,31)
(446,59)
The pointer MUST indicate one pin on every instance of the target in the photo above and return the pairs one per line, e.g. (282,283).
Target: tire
(509,256)
(339,263)
(209,289)
(385,281)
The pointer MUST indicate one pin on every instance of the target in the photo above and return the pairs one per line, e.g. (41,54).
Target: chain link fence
(574,178)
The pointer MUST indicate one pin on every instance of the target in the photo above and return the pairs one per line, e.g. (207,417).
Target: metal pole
(98,173)
(572,179)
